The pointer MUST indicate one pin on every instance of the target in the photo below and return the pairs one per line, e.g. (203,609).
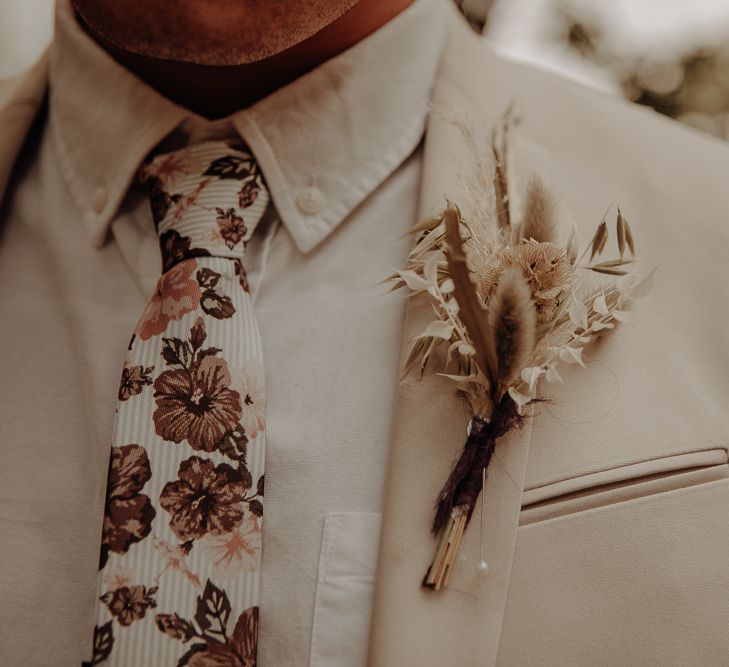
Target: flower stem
(459,496)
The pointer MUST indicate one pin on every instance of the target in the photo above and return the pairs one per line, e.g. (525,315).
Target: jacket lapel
(461,625)
(20,99)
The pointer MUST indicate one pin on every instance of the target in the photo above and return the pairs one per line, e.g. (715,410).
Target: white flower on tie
(249,382)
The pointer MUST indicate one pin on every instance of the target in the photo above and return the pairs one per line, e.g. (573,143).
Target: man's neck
(216,92)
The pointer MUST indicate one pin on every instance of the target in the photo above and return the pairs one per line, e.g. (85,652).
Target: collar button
(310,200)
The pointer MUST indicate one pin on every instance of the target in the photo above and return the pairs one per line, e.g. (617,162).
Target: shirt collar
(324,142)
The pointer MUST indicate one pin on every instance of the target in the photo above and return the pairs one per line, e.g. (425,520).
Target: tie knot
(206,200)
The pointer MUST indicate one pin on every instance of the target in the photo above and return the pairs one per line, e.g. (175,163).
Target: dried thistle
(544,266)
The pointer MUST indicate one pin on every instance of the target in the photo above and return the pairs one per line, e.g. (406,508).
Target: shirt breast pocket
(343,607)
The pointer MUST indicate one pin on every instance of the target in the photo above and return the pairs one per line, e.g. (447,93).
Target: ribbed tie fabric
(181,545)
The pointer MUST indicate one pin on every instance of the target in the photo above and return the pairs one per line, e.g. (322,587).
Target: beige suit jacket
(607,516)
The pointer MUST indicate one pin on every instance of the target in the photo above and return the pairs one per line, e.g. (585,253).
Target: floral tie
(181,545)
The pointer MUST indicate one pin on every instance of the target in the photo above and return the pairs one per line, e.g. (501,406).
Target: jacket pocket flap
(625,482)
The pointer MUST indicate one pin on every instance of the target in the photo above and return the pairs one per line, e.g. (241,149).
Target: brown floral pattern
(177,294)
(102,646)
(129,603)
(159,199)
(243,169)
(238,167)
(205,499)
(212,301)
(194,401)
(167,168)
(249,190)
(128,513)
(175,248)
(195,426)
(133,380)
(242,276)
(214,645)
(231,226)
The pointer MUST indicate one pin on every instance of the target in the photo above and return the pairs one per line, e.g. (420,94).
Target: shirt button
(310,200)
(99,199)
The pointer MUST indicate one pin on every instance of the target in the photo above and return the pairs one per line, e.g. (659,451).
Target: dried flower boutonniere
(510,305)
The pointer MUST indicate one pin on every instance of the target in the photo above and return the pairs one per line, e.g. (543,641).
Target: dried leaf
(599,240)
(599,326)
(531,377)
(571,355)
(413,280)
(463,348)
(613,263)
(610,272)
(643,286)
(520,399)
(553,376)
(621,234)
(599,305)
(629,237)
(438,329)
(472,314)
(430,269)
(427,225)
(578,313)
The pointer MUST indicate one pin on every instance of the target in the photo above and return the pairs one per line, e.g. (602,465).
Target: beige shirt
(78,260)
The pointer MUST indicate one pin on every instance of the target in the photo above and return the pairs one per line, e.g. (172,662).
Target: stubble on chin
(208,33)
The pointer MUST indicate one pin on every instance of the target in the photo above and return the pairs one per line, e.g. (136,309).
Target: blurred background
(672,55)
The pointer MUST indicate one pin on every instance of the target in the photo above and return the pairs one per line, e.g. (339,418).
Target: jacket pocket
(635,583)
(345,585)
(626,482)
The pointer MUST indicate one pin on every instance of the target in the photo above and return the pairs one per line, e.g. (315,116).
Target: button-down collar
(324,142)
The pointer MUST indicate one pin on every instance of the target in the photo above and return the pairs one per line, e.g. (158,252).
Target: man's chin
(213,56)
(208,40)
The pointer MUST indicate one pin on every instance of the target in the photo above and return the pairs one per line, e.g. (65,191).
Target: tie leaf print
(216,646)
(240,168)
(103,643)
